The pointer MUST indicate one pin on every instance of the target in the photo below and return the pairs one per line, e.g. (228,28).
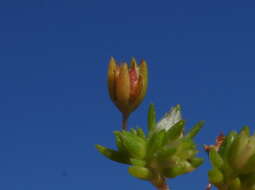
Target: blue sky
(54,104)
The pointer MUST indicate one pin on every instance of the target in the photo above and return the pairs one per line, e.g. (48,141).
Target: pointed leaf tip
(151,118)
(112,154)
(195,130)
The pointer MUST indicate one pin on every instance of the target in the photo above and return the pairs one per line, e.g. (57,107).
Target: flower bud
(127,85)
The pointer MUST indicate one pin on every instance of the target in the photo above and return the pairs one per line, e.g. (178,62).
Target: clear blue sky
(54,104)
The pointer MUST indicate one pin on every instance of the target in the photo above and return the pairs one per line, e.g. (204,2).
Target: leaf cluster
(233,166)
(157,155)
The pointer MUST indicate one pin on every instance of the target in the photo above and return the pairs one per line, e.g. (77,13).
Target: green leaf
(216,159)
(133,131)
(245,130)
(140,172)
(173,172)
(186,148)
(119,142)
(113,155)
(179,168)
(215,176)
(140,133)
(136,146)
(175,131)
(196,162)
(166,153)
(194,131)
(155,143)
(137,162)
(229,172)
(248,180)
(246,156)
(235,184)
(249,165)
(225,148)
(236,150)
(151,118)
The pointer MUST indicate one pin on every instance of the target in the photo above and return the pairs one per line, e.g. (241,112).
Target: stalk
(124,121)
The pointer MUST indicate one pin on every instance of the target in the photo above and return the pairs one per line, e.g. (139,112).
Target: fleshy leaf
(137,162)
(216,159)
(166,153)
(140,172)
(215,176)
(140,133)
(155,143)
(227,144)
(118,142)
(235,184)
(113,155)
(151,118)
(193,132)
(245,130)
(136,146)
(196,162)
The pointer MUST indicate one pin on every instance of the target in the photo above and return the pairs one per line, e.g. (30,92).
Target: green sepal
(216,159)
(140,172)
(155,143)
(137,162)
(151,118)
(175,131)
(113,155)
(136,146)
(215,176)
(194,131)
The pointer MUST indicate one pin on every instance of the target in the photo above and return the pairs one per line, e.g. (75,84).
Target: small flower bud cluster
(233,165)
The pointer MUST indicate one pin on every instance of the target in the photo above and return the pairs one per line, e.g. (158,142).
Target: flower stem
(163,187)
(124,121)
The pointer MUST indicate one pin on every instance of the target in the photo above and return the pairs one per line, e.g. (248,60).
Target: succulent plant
(233,165)
(164,152)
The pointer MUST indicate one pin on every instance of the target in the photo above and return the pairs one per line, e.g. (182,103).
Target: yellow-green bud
(127,84)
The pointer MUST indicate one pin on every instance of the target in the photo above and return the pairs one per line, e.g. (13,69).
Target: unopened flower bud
(127,85)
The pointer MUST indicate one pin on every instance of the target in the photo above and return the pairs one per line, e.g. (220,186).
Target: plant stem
(124,121)
(164,186)
(161,185)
